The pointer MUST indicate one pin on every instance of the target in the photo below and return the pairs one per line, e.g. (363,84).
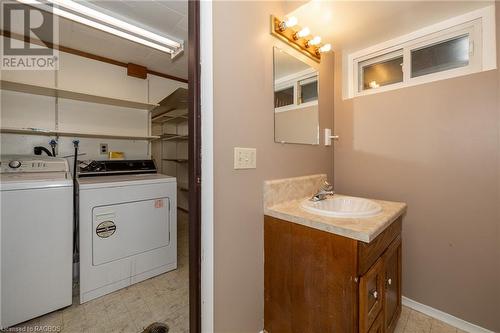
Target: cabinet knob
(374,294)
(389,282)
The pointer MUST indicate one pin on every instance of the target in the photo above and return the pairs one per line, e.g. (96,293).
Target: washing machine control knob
(14,164)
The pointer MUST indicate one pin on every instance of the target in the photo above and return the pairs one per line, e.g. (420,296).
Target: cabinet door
(378,325)
(371,296)
(392,270)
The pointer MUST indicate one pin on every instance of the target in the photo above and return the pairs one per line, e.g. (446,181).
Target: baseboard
(444,317)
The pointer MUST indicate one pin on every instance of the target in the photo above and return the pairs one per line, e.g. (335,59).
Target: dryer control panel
(19,163)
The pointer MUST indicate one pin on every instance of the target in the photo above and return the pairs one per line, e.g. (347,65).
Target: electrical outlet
(245,158)
(103,148)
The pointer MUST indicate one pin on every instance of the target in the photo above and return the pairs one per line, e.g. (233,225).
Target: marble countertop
(280,204)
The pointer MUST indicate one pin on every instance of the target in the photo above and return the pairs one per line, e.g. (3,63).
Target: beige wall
(297,125)
(243,116)
(435,146)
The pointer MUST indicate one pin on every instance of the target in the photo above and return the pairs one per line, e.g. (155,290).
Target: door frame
(194,157)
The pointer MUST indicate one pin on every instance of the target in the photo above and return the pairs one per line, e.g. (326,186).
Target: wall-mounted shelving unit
(86,99)
(77,96)
(173,136)
(169,122)
(61,93)
(40,131)
(169,118)
(183,187)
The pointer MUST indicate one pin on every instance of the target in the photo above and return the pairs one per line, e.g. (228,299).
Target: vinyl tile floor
(164,298)
(412,321)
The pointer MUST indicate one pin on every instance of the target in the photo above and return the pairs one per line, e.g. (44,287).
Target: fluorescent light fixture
(69,4)
(108,24)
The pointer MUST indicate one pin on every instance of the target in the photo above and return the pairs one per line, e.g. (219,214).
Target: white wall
(22,110)
(23,144)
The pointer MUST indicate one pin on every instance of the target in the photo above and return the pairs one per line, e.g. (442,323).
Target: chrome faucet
(325,191)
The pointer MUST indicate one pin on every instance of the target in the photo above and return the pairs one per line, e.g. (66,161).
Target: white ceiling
(167,18)
(354,25)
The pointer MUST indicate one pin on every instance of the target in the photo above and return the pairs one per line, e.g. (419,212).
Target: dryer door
(126,229)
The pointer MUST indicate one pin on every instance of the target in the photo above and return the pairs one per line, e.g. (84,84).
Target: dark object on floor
(156,328)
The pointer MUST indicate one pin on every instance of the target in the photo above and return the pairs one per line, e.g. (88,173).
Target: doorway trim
(194,157)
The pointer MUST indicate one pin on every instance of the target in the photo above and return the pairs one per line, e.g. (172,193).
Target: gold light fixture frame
(288,36)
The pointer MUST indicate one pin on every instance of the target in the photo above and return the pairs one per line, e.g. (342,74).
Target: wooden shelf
(55,92)
(41,131)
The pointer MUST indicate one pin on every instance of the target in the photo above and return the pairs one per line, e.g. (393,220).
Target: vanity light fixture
(79,13)
(315,41)
(288,22)
(325,48)
(302,33)
(298,37)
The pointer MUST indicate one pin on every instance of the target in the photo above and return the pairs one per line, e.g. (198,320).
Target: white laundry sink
(342,206)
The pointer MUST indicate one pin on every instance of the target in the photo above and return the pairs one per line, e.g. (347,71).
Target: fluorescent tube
(169,46)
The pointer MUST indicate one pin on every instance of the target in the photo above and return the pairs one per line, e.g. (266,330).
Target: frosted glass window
(453,53)
(381,71)
(308,90)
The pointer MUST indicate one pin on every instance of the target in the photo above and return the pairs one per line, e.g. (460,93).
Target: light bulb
(325,48)
(374,84)
(289,22)
(315,41)
(304,32)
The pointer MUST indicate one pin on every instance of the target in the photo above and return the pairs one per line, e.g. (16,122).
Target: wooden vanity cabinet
(320,282)
(371,295)
(378,325)
(392,297)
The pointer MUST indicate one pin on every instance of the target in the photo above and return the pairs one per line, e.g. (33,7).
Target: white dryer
(128,229)
(36,237)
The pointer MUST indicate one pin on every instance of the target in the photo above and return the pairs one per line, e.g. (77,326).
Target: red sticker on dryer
(159,203)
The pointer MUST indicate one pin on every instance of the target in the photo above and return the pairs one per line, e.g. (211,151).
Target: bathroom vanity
(329,274)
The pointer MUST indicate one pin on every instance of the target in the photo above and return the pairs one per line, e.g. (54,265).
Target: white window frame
(303,82)
(479,25)
(286,86)
(294,81)
(379,57)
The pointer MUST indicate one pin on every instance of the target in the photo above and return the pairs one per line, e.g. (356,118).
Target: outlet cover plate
(103,148)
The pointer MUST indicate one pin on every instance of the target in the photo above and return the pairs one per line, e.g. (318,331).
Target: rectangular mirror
(296,91)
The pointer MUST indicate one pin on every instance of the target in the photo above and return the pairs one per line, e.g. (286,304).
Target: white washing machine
(36,195)
(128,228)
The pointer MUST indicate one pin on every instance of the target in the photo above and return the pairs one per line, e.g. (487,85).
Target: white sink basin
(341,206)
